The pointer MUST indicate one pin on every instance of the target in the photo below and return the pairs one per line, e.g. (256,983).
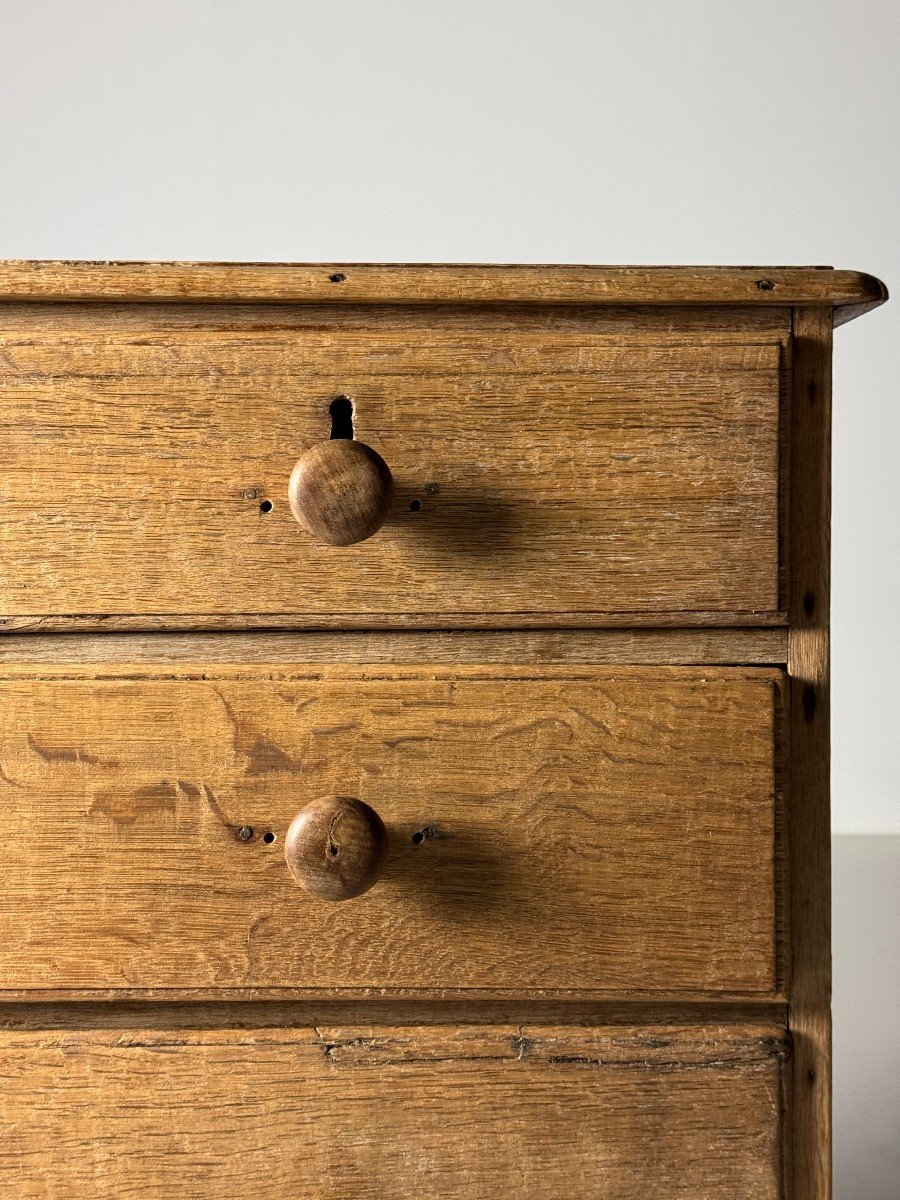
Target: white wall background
(701,131)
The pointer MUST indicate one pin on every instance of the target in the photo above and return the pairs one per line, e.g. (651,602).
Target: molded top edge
(850,292)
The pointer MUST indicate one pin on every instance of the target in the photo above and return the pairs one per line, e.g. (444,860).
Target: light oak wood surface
(603,830)
(447,1113)
(685,325)
(569,478)
(810,759)
(243,1014)
(597,960)
(479,647)
(400,283)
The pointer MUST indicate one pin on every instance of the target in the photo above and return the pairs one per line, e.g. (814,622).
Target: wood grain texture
(607,831)
(402,283)
(334,847)
(571,980)
(290,1013)
(635,646)
(341,491)
(689,326)
(570,478)
(103,623)
(810,760)
(375,1112)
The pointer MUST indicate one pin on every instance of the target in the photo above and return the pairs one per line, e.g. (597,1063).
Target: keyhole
(341,417)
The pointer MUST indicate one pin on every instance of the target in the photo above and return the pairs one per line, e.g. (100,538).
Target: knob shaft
(335,847)
(341,491)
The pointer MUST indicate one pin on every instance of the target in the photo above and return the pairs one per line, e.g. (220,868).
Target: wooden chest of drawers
(483,853)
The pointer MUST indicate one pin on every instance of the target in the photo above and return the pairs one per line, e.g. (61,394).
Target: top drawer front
(558,477)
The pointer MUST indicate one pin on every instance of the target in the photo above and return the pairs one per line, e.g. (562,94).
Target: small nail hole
(269,838)
(337,277)
(415,505)
(418,838)
(765,285)
(266,506)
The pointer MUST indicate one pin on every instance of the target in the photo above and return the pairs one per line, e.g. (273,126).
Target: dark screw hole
(415,505)
(341,409)
(337,277)
(269,838)
(266,506)
(245,833)
(422,835)
(765,285)
(418,838)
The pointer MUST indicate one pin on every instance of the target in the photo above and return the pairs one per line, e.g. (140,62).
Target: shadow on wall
(866,906)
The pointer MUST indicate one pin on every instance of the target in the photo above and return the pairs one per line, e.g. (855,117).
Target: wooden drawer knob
(335,846)
(341,491)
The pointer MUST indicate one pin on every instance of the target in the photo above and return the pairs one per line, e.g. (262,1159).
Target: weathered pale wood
(371,1112)
(609,831)
(570,478)
(394,623)
(402,283)
(598,646)
(373,1010)
(694,325)
(597,846)
(808,665)
(209,995)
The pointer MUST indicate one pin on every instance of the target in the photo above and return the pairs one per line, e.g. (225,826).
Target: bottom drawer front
(393,1112)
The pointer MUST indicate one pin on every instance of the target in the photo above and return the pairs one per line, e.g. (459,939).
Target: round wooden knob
(335,846)
(341,491)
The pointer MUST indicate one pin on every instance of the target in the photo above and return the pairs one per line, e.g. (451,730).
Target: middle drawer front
(600,830)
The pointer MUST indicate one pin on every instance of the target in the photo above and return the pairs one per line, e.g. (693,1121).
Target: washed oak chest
(414,730)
